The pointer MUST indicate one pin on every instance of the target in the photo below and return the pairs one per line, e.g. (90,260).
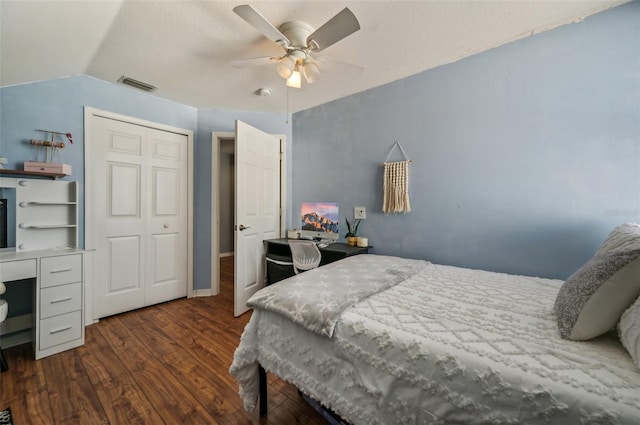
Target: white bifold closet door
(139,215)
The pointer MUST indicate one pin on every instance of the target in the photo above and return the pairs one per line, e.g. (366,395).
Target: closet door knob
(166,226)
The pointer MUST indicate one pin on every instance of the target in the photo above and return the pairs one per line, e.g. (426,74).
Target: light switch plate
(360,213)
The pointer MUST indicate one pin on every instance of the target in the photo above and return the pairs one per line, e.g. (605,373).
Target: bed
(386,340)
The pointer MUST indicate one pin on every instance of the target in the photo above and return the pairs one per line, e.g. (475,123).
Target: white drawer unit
(60,304)
(60,330)
(61,299)
(17,270)
(60,270)
(46,257)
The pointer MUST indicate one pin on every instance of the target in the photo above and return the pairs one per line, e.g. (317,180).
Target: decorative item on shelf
(352,232)
(396,184)
(3,161)
(363,242)
(51,152)
(293,234)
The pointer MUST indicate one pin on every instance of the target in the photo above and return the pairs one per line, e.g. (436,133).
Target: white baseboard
(202,292)
(226,254)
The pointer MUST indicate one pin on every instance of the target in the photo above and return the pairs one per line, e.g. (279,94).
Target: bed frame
(330,416)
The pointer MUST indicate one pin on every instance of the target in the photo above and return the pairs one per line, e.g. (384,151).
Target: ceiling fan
(299,41)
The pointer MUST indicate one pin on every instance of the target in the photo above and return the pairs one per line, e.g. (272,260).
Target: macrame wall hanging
(396,184)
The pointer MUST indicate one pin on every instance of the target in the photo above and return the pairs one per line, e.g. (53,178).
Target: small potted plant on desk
(352,232)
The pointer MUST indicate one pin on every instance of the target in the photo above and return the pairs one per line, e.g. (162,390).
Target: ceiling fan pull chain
(286,89)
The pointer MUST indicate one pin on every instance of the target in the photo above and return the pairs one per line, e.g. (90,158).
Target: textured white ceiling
(185,47)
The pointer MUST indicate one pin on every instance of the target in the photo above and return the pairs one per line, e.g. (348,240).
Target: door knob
(166,226)
(242,227)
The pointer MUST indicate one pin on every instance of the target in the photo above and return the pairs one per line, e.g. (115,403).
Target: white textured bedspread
(316,299)
(448,346)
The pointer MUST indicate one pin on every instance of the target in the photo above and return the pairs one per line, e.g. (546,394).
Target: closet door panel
(119,210)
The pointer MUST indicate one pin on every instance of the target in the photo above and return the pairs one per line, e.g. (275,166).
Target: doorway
(223,186)
(226,188)
(226,202)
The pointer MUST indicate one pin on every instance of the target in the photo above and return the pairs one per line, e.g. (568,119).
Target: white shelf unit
(46,214)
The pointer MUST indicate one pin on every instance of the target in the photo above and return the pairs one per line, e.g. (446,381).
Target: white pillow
(629,331)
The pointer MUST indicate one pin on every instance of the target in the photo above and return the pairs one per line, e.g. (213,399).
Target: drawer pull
(60,300)
(61,270)
(55,331)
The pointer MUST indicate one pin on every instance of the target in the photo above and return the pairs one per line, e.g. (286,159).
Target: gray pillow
(591,301)
(629,331)
(625,237)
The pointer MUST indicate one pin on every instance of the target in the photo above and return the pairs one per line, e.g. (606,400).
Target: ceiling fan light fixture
(311,72)
(299,40)
(295,80)
(286,67)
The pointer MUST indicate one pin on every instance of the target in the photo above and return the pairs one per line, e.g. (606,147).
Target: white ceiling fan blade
(247,63)
(332,64)
(259,22)
(335,29)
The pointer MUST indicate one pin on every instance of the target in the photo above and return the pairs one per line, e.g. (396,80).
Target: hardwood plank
(171,400)
(28,409)
(206,385)
(294,412)
(24,388)
(122,398)
(73,398)
(201,342)
(207,343)
(25,376)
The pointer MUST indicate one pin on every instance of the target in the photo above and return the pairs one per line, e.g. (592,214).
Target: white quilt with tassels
(447,345)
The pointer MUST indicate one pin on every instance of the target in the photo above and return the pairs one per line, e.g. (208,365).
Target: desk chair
(305,255)
(4,309)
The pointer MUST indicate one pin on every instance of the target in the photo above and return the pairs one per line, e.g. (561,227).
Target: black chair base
(3,363)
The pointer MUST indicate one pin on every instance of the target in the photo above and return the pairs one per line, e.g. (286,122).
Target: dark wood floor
(166,364)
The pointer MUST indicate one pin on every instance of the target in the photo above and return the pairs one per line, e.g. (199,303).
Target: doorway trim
(89,113)
(216,140)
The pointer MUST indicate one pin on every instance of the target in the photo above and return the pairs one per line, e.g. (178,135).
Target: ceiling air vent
(137,84)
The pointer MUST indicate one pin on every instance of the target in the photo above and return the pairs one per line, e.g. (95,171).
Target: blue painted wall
(524,157)
(59,105)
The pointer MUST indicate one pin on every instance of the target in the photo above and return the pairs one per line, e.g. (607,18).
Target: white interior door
(166,228)
(139,217)
(257,208)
